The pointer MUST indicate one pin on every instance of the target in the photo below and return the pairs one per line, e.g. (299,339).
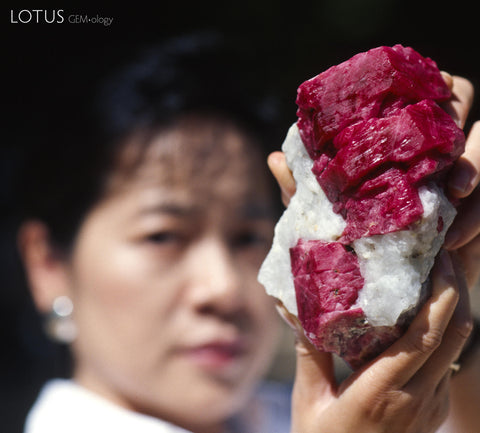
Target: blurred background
(278,44)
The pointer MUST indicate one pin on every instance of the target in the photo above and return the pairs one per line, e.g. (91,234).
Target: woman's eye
(249,238)
(164,237)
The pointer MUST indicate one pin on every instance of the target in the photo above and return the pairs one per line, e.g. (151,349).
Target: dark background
(279,45)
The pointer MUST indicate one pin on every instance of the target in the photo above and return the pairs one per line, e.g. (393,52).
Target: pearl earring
(59,324)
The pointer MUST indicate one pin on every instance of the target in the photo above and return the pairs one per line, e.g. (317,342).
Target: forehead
(198,160)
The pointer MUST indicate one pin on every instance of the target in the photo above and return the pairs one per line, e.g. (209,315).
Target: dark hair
(90,111)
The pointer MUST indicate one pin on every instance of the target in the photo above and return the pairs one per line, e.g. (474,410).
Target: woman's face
(172,321)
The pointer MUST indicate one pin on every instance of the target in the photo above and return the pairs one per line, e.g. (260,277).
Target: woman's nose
(216,284)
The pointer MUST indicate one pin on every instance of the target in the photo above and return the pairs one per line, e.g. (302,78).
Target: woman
(157,251)
(149,264)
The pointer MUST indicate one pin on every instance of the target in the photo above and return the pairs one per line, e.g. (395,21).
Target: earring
(59,324)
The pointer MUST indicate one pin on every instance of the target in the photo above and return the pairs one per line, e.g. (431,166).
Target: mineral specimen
(369,152)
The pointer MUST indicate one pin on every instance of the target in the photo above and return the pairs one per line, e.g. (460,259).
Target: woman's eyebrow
(174,209)
(257,211)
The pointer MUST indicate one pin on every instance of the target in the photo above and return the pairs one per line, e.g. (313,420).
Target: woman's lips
(216,354)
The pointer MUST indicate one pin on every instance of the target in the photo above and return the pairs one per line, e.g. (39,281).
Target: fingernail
(446,264)
(274,157)
(447,78)
(460,181)
(463,315)
(289,318)
(451,238)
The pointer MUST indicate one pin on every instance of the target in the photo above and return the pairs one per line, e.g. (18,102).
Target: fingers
(470,258)
(465,175)
(456,334)
(278,166)
(314,369)
(466,225)
(401,361)
(314,375)
(459,104)
(447,78)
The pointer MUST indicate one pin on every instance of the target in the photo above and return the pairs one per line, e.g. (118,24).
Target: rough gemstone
(375,133)
(327,279)
(394,266)
(378,162)
(370,84)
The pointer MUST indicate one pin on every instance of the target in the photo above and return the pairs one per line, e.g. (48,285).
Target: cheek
(262,305)
(123,300)
(267,335)
(121,278)
(267,317)
(263,313)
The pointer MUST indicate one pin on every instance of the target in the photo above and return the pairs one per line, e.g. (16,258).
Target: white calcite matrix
(394,266)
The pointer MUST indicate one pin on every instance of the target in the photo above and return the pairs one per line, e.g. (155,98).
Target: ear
(46,271)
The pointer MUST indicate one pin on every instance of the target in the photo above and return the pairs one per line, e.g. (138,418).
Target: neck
(85,380)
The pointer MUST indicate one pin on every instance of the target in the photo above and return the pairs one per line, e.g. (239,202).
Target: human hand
(464,234)
(406,389)
(278,166)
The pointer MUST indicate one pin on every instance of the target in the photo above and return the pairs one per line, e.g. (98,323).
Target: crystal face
(370,84)
(377,165)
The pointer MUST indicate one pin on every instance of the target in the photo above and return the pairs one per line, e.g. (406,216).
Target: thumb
(278,166)
(314,389)
(314,376)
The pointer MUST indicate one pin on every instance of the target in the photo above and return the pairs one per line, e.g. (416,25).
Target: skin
(403,390)
(171,320)
(408,388)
